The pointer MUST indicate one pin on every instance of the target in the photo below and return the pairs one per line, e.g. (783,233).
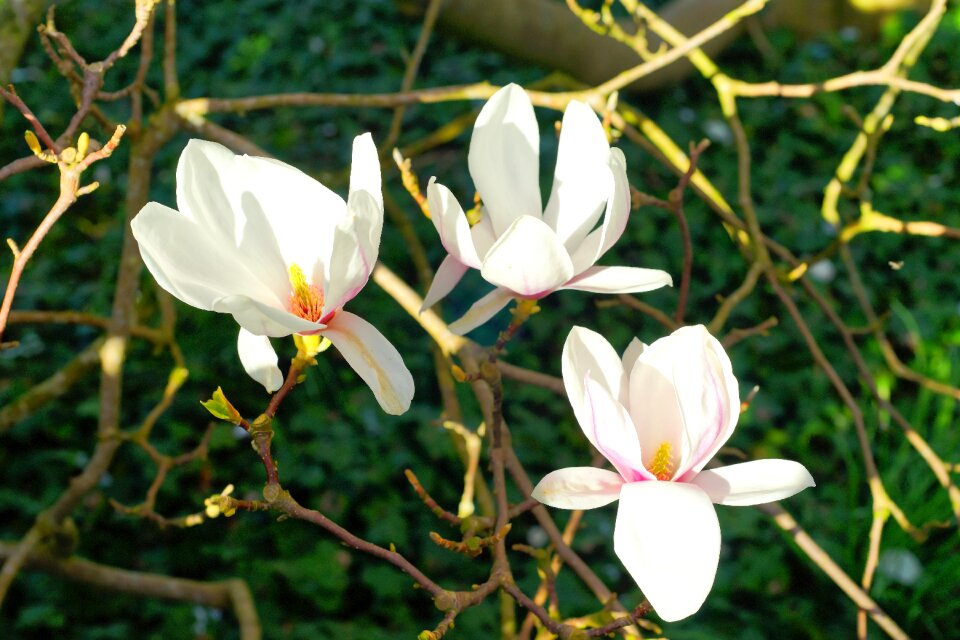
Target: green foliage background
(338,452)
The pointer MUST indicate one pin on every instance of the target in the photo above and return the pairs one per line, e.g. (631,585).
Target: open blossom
(659,415)
(263,241)
(525,250)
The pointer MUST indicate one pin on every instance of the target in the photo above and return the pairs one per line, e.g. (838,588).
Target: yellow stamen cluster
(662,465)
(306,301)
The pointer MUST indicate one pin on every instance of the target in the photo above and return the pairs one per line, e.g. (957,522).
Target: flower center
(662,465)
(306,301)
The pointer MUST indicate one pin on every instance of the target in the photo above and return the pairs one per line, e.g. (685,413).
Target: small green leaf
(221,408)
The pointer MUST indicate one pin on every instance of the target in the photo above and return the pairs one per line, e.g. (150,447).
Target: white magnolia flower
(283,254)
(525,250)
(659,415)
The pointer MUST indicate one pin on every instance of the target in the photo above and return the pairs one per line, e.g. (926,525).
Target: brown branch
(70,190)
(280,500)
(10,95)
(232,593)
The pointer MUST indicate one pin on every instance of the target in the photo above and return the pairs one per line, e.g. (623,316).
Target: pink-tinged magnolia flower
(525,250)
(263,241)
(659,415)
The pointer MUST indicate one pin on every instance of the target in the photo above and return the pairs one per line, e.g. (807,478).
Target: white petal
(619,280)
(301,211)
(374,359)
(365,220)
(609,428)
(262,320)
(668,537)
(194,264)
(634,349)
(706,389)
(527,259)
(481,311)
(267,209)
(482,234)
(259,360)
(448,275)
(451,223)
(656,413)
(615,218)
(586,351)
(504,157)
(365,168)
(582,179)
(352,259)
(578,488)
(755,482)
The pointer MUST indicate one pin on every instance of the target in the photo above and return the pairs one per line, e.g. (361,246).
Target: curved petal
(527,259)
(578,488)
(367,217)
(504,157)
(706,390)
(483,235)
(191,263)
(374,359)
(599,241)
(445,279)
(451,223)
(754,482)
(668,537)
(365,168)
(259,360)
(633,351)
(262,320)
(481,311)
(656,414)
(609,428)
(619,280)
(582,179)
(352,257)
(586,351)
(260,206)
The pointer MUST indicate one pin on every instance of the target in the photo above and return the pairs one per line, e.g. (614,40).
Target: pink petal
(578,488)
(587,351)
(609,428)
(668,537)
(755,482)
(705,390)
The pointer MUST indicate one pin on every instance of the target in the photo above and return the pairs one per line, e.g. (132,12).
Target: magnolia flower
(525,250)
(659,415)
(283,254)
